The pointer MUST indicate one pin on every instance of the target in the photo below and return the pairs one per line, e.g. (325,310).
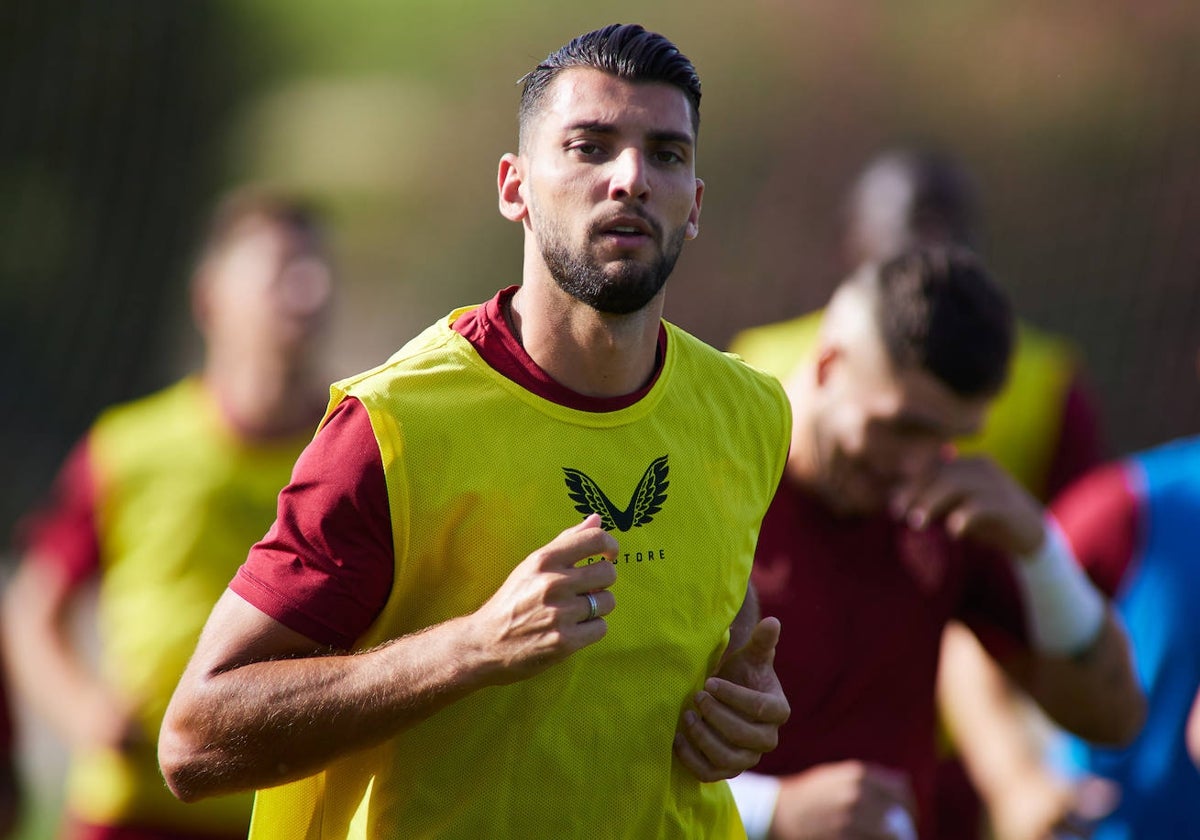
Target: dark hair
(942,205)
(256,203)
(628,52)
(938,308)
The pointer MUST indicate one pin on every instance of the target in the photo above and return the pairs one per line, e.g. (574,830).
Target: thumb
(760,649)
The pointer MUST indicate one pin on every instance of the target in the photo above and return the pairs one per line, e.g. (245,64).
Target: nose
(628,179)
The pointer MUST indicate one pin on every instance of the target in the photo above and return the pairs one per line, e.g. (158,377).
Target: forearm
(45,666)
(1093,694)
(984,716)
(266,723)
(261,704)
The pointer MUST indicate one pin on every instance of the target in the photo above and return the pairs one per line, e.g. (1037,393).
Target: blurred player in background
(155,507)
(880,534)
(1043,427)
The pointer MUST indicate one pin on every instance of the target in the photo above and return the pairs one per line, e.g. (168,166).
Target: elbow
(1118,721)
(1128,718)
(174,766)
(184,767)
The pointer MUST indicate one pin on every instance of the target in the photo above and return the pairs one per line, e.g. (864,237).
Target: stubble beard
(618,288)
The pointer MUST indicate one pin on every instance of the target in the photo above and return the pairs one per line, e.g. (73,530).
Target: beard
(843,482)
(618,288)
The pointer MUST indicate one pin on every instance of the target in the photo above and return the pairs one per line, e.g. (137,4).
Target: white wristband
(755,795)
(1065,610)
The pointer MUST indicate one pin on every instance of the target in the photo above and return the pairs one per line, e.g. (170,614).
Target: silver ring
(591,599)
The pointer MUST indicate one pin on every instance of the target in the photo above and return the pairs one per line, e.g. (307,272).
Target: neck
(590,352)
(266,397)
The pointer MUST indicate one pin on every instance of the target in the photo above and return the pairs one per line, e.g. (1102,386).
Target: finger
(761,706)
(591,577)
(580,634)
(579,542)
(935,500)
(691,758)
(715,758)
(605,602)
(964,519)
(734,727)
(760,649)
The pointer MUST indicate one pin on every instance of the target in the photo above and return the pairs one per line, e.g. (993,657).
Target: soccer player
(154,508)
(506,593)
(880,534)
(1043,426)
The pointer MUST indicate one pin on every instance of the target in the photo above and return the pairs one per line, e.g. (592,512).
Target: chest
(863,606)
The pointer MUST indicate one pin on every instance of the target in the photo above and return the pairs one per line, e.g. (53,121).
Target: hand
(843,801)
(1033,805)
(738,714)
(539,614)
(976,500)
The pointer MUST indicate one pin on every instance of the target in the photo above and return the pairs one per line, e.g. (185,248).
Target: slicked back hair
(626,51)
(938,309)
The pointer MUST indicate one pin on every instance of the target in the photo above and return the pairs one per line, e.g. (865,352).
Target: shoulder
(436,350)
(140,431)
(777,347)
(705,363)
(177,400)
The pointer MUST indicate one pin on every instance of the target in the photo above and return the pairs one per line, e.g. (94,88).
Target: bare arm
(993,731)
(48,668)
(1095,694)
(260,705)
(1092,691)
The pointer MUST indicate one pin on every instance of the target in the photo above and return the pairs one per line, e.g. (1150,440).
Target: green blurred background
(122,121)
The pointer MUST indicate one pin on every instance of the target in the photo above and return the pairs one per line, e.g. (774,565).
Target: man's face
(268,290)
(609,186)
(877,427)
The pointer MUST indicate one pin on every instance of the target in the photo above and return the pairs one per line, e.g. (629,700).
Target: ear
(509,182)
(827,357)
(693,223)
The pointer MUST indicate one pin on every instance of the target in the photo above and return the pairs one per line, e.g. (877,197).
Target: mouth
(627,231)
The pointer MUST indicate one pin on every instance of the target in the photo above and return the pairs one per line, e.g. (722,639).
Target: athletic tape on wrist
(1065,610)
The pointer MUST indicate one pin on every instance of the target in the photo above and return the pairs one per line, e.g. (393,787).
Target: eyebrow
(656,135)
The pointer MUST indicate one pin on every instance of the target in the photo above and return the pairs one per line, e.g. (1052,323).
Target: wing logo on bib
(647,499)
